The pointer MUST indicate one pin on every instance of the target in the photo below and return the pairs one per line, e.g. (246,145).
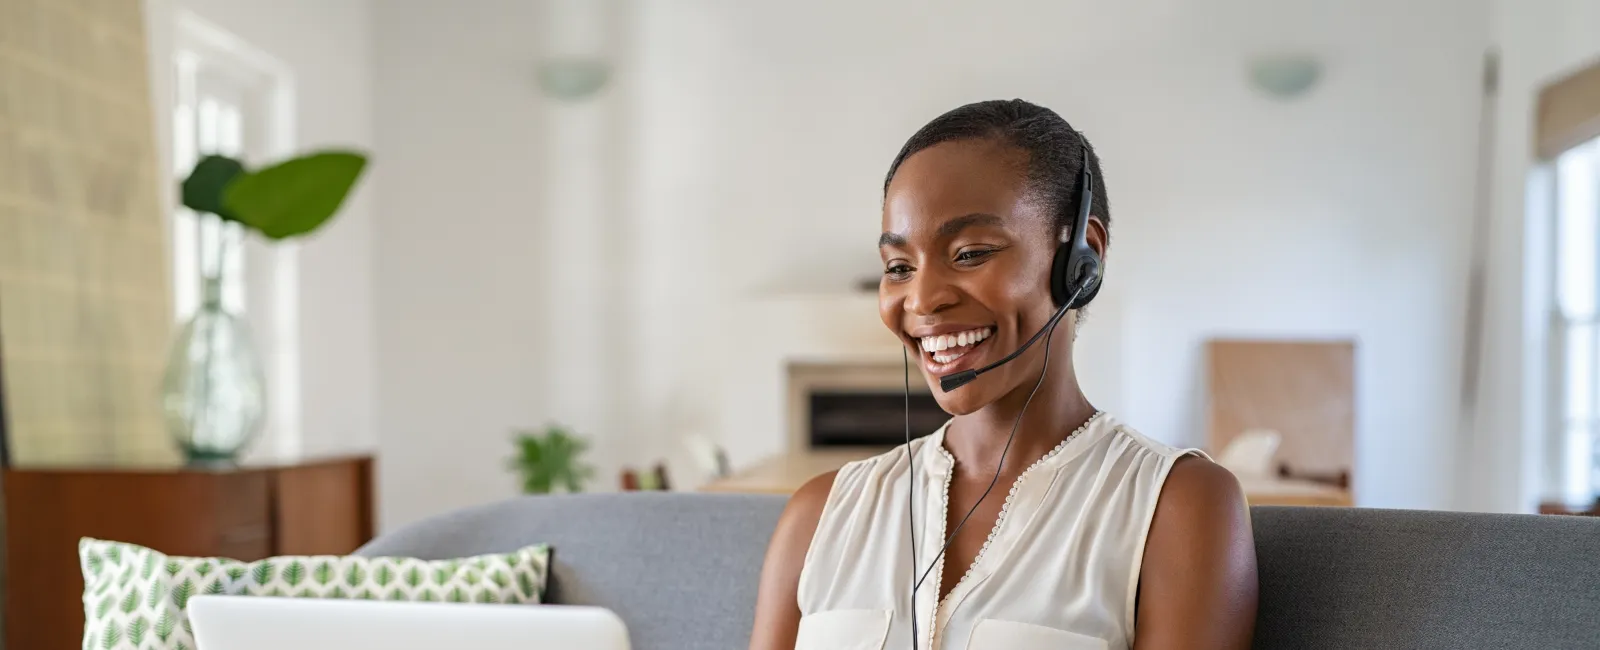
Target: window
(208,118)
(1576,316)
(233,99)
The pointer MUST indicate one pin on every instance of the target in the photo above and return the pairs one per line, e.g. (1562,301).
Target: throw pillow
(135,598)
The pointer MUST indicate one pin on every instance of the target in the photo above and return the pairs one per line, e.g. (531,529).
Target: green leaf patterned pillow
(135,598)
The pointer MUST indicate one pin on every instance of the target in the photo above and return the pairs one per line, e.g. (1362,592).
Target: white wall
(765,130)
(742,148)
(1504,464)
(326,45)
(466,310)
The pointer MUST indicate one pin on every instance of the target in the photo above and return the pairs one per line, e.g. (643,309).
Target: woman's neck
(977,440)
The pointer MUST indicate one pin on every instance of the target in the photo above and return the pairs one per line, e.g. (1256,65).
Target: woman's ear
(1098,237)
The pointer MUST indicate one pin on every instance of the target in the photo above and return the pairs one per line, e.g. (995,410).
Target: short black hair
(1055,151)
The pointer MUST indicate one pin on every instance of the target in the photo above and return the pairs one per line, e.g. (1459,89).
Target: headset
(1074,282)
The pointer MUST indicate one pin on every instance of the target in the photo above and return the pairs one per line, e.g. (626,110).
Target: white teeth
(940,343)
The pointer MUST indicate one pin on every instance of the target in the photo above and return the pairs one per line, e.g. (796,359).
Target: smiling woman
(995,225)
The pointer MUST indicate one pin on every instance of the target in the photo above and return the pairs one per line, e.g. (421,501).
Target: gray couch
(681,569)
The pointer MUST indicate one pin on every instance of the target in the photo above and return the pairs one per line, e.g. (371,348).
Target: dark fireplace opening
(865,418)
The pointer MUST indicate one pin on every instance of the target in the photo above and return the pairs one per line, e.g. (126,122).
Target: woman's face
(967,254)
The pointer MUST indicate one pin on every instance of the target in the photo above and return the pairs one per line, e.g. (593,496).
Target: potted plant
(213,392)
(550,459)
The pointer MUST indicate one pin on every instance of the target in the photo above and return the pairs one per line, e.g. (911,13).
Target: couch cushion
(1367,578)
(680,569)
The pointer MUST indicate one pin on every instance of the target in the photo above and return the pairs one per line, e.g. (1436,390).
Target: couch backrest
(681,569)
(1367,578)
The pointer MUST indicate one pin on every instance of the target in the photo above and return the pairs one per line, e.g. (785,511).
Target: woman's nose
(928,293)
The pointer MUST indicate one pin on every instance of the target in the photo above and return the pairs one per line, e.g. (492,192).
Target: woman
(1096,536)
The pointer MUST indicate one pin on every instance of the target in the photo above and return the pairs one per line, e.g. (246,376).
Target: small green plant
(549,459)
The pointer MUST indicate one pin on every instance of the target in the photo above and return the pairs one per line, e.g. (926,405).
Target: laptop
(262,623)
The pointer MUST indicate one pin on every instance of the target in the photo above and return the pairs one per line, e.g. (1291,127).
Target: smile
(945,353)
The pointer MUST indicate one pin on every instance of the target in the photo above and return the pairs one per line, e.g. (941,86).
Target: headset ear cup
(1074,274)
(1089,280)
(1061,275)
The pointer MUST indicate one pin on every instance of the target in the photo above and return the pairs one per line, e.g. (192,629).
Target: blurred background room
(502,246)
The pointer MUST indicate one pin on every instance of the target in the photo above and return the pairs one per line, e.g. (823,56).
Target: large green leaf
(203,190)
(296,196)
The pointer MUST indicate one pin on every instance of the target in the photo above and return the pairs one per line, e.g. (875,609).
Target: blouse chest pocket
(994,634)
(843,629)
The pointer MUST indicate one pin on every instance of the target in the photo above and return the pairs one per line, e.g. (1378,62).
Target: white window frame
(1572,466)
(267,293)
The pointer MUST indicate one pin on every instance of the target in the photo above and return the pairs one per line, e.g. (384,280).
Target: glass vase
(213,392)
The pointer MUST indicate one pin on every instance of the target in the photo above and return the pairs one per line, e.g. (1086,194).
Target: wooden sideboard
(306,508)
(1575,510)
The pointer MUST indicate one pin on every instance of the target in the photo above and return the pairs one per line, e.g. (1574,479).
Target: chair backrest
(681,569)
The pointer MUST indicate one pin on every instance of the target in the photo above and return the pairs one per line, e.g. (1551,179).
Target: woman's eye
(897,271)
(973,255)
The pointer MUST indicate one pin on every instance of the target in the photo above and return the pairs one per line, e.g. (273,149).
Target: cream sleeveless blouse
(1059,569)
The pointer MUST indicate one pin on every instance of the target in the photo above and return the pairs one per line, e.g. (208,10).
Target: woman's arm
(1197,586)
(777,611)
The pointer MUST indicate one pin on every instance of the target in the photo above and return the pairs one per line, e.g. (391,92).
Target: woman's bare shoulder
(805,506)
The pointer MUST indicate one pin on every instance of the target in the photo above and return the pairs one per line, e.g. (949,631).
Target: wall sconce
(1285,76)
(573,79)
